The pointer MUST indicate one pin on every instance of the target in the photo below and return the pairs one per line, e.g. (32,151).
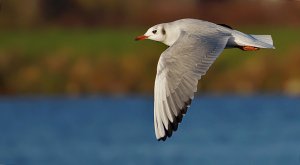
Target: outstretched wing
(178,71)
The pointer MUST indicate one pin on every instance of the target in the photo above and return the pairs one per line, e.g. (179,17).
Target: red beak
(142,37)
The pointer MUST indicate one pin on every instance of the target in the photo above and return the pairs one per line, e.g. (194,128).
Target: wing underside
(178,71)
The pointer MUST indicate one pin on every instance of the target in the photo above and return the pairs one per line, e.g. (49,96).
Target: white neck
(172,33)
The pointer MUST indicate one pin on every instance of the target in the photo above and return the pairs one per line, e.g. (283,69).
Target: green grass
(81,41)
(75,60)
(115,42)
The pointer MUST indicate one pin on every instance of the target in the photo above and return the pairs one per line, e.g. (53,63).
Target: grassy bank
(59,61)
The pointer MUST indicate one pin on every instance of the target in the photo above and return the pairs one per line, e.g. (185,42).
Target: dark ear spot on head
(163,31)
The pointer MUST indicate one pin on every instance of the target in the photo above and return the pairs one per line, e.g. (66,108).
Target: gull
(193,46)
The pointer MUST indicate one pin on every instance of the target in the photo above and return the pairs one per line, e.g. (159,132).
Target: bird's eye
(154,31)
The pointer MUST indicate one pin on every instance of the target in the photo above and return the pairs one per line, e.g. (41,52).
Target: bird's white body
(199,27)
(193,47)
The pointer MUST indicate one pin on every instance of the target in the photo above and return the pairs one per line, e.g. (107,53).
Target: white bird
(193,46)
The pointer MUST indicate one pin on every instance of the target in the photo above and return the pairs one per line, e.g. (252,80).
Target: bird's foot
(248,48)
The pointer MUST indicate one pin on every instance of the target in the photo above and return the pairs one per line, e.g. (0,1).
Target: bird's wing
(178,71)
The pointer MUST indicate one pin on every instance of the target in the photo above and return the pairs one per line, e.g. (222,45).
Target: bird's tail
(265,41)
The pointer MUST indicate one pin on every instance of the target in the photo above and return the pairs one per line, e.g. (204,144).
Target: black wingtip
(224,25)
(169,131)
(162,138)
(184,110)
(179,117)
(173,126)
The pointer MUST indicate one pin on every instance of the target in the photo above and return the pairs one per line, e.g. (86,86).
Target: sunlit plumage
(193,46)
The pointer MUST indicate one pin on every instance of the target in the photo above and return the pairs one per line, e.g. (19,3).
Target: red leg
(248,48)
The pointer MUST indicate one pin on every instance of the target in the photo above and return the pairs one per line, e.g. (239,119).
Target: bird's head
(166,33)
(156,33)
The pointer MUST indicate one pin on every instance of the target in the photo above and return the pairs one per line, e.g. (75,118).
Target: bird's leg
(248,48)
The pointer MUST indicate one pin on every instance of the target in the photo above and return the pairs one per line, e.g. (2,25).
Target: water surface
(223,130)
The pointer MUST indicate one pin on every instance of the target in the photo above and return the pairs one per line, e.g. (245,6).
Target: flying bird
(193,46)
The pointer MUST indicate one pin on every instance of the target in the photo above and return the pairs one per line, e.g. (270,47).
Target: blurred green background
(76,47)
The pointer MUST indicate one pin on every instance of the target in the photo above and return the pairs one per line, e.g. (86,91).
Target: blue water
(227,130)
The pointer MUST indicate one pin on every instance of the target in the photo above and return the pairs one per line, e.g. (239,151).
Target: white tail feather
(264,38)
